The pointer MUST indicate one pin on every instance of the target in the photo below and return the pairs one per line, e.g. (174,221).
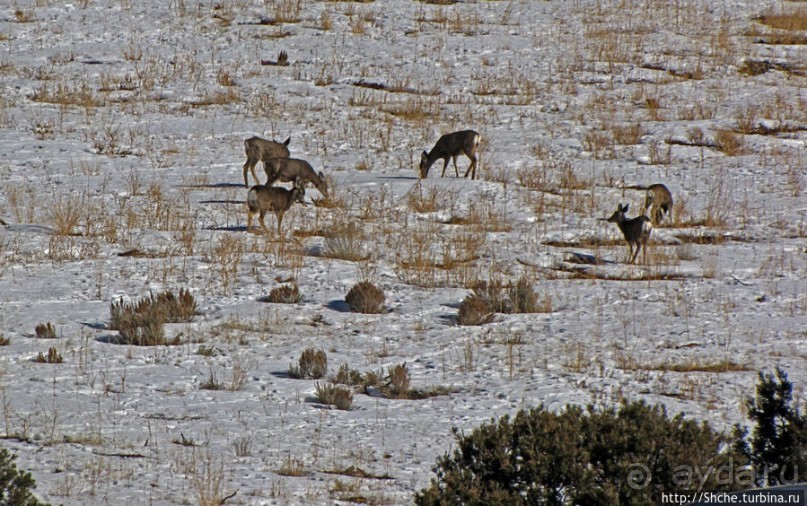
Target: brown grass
(719,366)
(730,143)
(53,357)
(795,20)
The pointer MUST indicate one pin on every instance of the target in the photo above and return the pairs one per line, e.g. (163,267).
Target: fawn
(262,199)
(636,231)
(451,146)
(294,169)
(258,150)
(660,202)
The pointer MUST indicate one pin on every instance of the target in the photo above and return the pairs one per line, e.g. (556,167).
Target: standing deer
(660,202)
(636,231)
(294,169)
(262,199)
(258,150)
(452,145)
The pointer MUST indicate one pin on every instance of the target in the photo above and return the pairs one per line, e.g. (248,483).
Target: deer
(660,202)
(464,142)
(296,170)
(258,150)
(262,199)
(636,231)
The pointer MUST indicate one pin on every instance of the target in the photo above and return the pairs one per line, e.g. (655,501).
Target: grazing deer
(636,231)
(258,150)
(660,202)
(451,146)
(294,169)
(262,199)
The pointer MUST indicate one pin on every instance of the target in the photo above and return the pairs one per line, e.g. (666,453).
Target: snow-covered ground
(127,117)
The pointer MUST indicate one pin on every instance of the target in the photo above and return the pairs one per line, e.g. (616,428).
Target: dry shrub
(569,180)
(523,298)
(225,78)
(347,376)
(474,310)
(747,119)
(64,94)
(796,20)
(325,21)
(415,109)
(599,143)
(66,213)
(345,242)
(751,67)
(730,143)
(287,11)
(53,357)
(534,178)
(141,323)
(24,16)
(178,308)
(658,155)
(365,297)
(138,328)
(226,96)
(45,331)
(518,297)
(398,377)
(288,293)
(292,466)
(334,395)
(312,364)
(212,382)
(627,135)
(427,202)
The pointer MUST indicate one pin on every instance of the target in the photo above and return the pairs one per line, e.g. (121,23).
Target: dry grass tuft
(730,143)
(475,310)
(53,357)
(292,466)
(66,213)
(719,366)
(345,242)
(312,364)
(428,201)
(518,297)
(45,331)
(337,396)
(141,323)
(398,376)
(288,293)
(795,20)
(61,93)
(366,298)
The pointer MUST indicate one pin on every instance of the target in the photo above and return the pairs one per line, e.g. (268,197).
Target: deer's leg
(631,254)
(249,165)
(279,223)
(471,168)
(445,166)
(261,217)
(249,220)
(456,170)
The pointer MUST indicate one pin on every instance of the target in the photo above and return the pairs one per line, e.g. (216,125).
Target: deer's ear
(287,141)
(424,156)
(625,209)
